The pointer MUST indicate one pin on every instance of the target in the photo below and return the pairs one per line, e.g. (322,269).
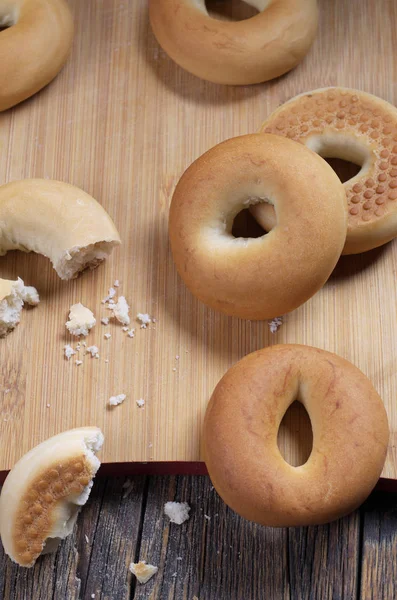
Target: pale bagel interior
(43,493)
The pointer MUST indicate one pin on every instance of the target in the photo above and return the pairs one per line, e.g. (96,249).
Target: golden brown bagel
(257,49)
(354,126)
(33,48)
(350,436)
(271,275)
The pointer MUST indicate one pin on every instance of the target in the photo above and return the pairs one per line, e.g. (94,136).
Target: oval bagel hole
(245,226)
(295,435)
(230,10)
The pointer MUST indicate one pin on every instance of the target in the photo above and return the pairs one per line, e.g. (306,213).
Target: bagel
(354,126)
(43,493)
(236,53)
(350,437)
(33,48)
(13,295)
(57,220)
(263,277)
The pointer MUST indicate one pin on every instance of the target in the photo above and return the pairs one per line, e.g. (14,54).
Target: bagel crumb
(69,351)
(177,512)
(140,402)
(81,320)
(275,323)
(79,362)
(105,321)
(145,319)
(110,296)
(116,400)
(121,311)
(142,571)
(116,283)
(94,351)
(107,336)
(131,333)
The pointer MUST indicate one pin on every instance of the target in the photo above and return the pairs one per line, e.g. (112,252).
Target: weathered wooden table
(214,556)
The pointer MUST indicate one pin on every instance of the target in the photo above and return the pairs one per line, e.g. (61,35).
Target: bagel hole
(245,226)
(344,169)
(226,10)
(295,435)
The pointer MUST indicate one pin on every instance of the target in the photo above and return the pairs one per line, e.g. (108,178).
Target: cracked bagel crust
(350,436)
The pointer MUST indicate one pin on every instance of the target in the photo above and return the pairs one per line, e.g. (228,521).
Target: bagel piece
(13,295)
(236,53)
(33,48)
(44,492)
(57,220)
(350,436)
(358,127)
(257,278)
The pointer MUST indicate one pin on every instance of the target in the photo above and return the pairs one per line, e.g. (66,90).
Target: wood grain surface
(215,555)
(122,121)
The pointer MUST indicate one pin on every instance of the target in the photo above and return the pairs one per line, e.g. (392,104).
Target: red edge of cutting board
(184,468)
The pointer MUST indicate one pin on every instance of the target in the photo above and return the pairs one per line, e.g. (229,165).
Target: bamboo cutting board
(122,121)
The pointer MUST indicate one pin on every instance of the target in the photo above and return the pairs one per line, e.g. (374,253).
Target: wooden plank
(379,551)
(324,560)
(94,559)
(215,554)
(122,121)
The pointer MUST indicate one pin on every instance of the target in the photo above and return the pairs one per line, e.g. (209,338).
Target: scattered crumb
(48,405)
(30,295)
(79,362)
(107,336)
(179,558)
(275,324)
(92,595)
(106,360)
(145,319)
(174,574)
(121,310)
(115,400)
(177,512)
(131,333)
(105,321)
(111,294)
(94,351)
(84,344)
(69,351)
(140,402)
(125,328)
(174,369)
(207,517)
(142,571)
(81,320)
(150,445)
(86,538)
(177,357)
(116,283)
